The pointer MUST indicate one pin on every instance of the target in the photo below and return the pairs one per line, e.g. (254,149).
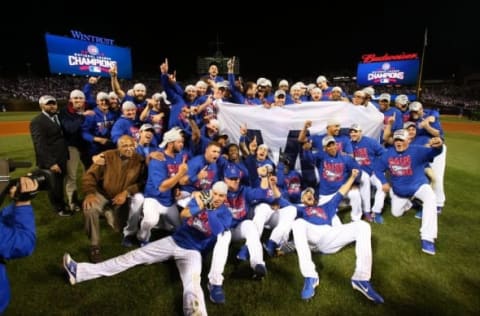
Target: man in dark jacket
(71,118)
(51,150)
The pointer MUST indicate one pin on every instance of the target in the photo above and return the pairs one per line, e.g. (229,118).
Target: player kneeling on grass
(313,230)
(202,222)
(406,164)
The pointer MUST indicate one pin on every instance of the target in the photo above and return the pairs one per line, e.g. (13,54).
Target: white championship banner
(276,123)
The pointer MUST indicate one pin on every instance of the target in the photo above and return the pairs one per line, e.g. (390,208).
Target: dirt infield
(472,128)
(22,127)
(15,128)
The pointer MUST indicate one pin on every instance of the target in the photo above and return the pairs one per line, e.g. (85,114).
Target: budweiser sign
(372,58)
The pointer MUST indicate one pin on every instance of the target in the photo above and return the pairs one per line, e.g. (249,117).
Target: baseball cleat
(260,271)
(216,294)
(309,286)
(271,247)
(243,254)
(70,267)
(428,247)
(378,218)
(366,289)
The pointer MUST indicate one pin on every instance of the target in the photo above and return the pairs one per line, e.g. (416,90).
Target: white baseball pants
(245,230)
(152,210)
(429,227)
(330,239)
(280,220)
(189,264)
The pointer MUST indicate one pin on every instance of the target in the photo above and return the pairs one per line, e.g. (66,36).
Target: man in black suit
(51,150)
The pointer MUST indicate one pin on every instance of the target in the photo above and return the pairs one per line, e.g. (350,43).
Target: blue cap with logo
(232,171)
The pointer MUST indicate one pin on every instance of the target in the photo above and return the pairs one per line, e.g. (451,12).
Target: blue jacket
(72,127)
(406,168)
(17,239)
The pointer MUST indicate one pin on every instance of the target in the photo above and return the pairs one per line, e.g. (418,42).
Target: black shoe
(64,213)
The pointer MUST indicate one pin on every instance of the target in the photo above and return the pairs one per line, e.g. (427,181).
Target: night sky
(294,41)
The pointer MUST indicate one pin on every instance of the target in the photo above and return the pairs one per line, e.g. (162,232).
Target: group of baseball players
(208,192)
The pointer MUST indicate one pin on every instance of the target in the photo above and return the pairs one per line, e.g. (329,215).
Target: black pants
(55,192)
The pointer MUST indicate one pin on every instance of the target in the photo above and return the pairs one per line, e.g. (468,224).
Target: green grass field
(17,116)
(411,282)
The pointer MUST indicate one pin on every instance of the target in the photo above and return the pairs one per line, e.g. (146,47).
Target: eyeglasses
(281,96)
(51,103)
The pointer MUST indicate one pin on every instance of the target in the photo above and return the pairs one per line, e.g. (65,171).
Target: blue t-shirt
(200,231)
(320,214)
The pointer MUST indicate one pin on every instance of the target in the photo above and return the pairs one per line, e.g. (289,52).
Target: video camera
(42,176)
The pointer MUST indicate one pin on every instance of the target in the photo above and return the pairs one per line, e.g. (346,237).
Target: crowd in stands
(447,95)
(31,88)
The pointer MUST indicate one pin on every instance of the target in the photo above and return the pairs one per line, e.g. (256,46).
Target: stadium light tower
(203,62)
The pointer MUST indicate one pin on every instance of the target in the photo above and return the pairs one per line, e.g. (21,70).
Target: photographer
(17,232)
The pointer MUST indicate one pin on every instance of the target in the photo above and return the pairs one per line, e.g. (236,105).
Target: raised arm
(429,128)
(302,137)
(242,143)
(387,132)
(114,81)
(196,134)
(348,184)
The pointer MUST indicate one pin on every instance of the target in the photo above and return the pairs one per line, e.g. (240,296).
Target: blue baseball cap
(232,171)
